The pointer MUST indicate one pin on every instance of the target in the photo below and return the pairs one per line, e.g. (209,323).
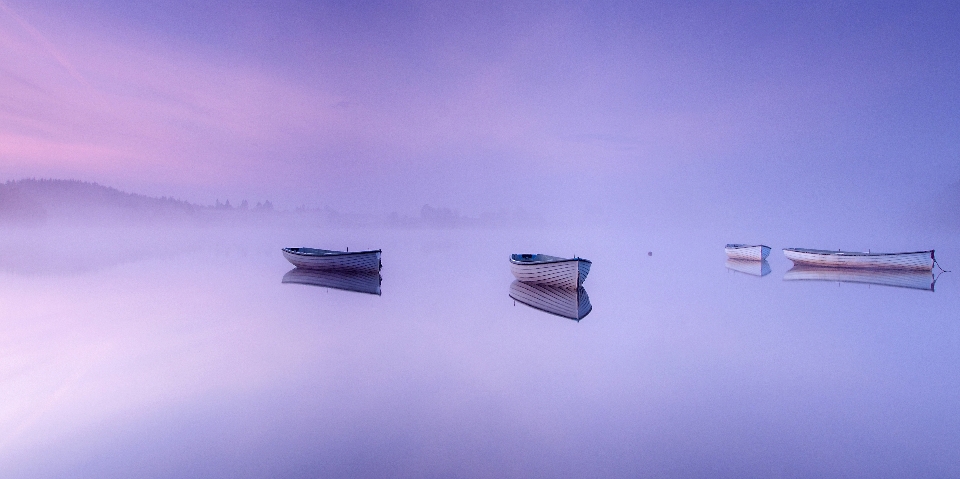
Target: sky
(607,109)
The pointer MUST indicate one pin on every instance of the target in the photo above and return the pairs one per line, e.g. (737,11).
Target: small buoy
(649,253)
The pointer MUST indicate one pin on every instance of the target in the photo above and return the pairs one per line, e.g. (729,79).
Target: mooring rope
(941,267)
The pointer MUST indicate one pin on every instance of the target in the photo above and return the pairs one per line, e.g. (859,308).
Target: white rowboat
(549,270)
(919,260)
(311,258)
(749,252)
(564,302)
(755,268)
(344,279)
(902,278)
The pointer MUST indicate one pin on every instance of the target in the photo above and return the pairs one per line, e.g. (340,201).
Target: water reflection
(568,303)
(897,278)
(347,280)
(45,252)
(755,268)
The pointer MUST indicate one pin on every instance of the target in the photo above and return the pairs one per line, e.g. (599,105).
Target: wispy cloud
(131,112)
(329,103)
(43,42)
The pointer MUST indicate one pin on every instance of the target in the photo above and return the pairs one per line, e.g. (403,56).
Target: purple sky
(606,107)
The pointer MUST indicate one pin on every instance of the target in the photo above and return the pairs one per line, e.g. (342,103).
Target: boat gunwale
(327,252)
(560,260)
(853,253)
(742,246)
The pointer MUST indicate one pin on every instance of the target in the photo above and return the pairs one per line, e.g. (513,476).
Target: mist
(156,156)
(614,110)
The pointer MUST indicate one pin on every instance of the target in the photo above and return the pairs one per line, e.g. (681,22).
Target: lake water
(182,354)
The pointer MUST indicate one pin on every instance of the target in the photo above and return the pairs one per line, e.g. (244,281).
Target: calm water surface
(128,355)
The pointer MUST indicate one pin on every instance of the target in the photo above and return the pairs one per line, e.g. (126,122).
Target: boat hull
(359,281)
(757,252)
(919,260)
(903,278)
(564,302)
(569,273)
(333,260)
(755,268)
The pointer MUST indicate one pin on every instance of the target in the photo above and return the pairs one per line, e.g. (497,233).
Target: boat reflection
(347,280)
(755,268)
(568,303)
(913,279)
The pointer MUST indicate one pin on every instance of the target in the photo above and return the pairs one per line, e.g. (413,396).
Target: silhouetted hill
(32,202)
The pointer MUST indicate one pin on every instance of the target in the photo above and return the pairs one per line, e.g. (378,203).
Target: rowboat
(360,281)
(919,260)
(564,302)
(901,278)
(311,258)
(549,270)
(749,252)
(756,268)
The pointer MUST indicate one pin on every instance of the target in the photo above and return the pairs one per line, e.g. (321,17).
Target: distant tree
(439,216)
